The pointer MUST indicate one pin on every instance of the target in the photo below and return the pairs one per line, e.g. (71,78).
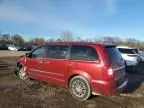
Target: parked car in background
(12,48)
(3,47)
(138,52)
(24,48)
(85,68)
(141,53)
(130,55)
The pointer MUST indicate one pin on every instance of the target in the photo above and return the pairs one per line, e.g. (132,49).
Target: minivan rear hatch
(115,61)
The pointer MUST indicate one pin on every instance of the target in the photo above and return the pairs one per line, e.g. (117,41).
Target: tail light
(107,73)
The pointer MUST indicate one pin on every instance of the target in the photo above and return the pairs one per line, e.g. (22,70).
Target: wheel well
(19,65)
(72,77)
(125,63)
(76,75)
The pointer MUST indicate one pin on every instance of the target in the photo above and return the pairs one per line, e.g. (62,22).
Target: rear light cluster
(108,73)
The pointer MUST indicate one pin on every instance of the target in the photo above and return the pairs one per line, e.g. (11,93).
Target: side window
(87,53)
(39,53)
(57,51)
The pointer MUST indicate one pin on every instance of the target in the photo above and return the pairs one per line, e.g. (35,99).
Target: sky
(83,18)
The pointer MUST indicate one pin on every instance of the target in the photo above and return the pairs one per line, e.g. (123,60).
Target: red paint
(59,71)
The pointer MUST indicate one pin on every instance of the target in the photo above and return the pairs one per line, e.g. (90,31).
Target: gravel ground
(7,53)
(15,93)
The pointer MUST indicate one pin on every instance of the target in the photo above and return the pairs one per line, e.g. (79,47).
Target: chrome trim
(40,71)
(99,81)
(95,61)
(95,93)
(53,78)
(123,85)
(56,59)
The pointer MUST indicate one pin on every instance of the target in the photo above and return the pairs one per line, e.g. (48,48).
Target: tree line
(68,37)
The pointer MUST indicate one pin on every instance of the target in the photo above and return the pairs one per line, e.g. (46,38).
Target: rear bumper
(122,87)
(108,87)
(132,63)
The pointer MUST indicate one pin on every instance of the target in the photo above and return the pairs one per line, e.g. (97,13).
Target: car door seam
(40,71)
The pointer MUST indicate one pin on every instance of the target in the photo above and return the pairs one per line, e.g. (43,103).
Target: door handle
(47,62)
(70,65)
(40,62)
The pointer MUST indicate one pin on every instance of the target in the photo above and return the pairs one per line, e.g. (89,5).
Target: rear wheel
(125,63)
(126,67)
(80,88)
(21,73)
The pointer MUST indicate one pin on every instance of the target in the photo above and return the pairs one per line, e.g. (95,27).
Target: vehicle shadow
(135,78)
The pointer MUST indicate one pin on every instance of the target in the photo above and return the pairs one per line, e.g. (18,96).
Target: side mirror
(27,54)
(22,56)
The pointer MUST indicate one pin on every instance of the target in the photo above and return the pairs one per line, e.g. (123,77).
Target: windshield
(127,51)
(114,55)
(136,50)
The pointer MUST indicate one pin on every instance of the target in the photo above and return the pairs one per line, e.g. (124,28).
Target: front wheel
(21,73)
(79,88)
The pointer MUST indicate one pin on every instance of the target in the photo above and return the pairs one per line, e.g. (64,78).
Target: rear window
(136,50)
(127,51)
(114,55)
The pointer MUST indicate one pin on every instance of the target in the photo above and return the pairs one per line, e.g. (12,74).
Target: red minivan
(85,68)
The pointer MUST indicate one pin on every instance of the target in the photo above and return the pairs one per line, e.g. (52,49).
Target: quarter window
(79,52)
(114,55)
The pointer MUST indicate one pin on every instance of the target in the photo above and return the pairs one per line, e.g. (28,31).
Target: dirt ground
(7,53)
(15,93)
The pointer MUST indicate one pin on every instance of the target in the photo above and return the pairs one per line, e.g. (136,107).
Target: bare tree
(39,40)
(51,40)
(131,42)
(118,40)
(108,39)
(58,40)
(17,39)
(88,40)
(98,39)
(5,37)
(0,36)
(67,36)
(79,39)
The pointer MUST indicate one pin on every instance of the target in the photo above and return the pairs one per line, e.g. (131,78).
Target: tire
(79,88)
(125,63)
(21,73)
(126,67)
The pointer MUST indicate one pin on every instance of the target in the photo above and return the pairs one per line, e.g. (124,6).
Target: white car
(130,55)
(12,48)
(141,53)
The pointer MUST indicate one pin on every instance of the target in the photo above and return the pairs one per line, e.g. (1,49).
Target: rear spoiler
(110,46)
